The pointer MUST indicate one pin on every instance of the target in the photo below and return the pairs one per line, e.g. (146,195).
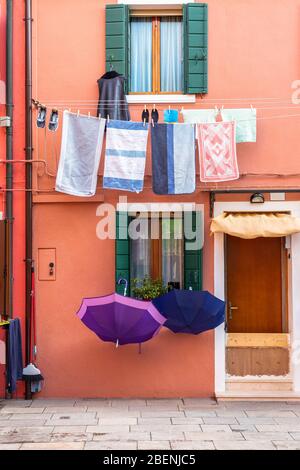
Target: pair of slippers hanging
(41,119)
(146,115)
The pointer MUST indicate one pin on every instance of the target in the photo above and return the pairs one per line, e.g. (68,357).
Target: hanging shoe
(154,115)
(53,123)
(145,115)
(41,117)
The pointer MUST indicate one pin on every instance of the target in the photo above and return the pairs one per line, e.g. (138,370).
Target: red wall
(18,153)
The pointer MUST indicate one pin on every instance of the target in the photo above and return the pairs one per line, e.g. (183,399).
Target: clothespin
(145,107)
(182,109)
(89,115)
(78,113)
(252,108)
(169,109)
(108,118)
(144,122)
(99,116)
(152,122)
(70,110)
(154,107)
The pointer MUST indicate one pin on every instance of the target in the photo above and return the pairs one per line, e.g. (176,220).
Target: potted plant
(147,288)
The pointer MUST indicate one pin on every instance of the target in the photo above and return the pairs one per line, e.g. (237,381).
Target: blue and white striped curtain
(171,53)
(141,55)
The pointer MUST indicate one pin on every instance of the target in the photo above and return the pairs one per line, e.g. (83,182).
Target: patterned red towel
(217,152)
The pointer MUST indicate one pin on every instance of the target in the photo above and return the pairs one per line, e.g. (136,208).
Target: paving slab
(110,445)
(156,421)
(218,420)
(58,402)
(214,436)
(117,421)
(22,423)
(123,436)
(215,428)
(10,446)
(167,436)
(154,445)
(270,414)
(244,445)
(20,410)
(165,427)
(267,436)
(192,445)
(31,416)
(66,410)
(200,413)
(290,445)
(278,427)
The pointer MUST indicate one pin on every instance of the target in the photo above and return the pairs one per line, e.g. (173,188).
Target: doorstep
(257,396)
(251,384)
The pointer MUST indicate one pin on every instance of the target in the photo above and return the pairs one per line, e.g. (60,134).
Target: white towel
(199,116)
(245,119)
(80,154)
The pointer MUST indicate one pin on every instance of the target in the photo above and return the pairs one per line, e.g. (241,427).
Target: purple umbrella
(121,320)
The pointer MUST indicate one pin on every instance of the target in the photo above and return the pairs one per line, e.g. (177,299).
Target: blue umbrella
(189,311)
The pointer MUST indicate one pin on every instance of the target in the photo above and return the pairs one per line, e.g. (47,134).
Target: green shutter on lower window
(122,251)
(193,258)
(117,38)
(195,47)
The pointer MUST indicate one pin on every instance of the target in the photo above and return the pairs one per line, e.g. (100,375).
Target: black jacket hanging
(112,98)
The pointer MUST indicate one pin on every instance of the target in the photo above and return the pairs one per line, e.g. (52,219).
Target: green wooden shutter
(117,38)
(195,47)
(193,261)
(122,251)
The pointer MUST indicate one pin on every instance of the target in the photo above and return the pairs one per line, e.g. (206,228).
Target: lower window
(159,252)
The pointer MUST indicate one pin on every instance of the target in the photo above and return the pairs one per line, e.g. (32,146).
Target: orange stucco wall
(253,53)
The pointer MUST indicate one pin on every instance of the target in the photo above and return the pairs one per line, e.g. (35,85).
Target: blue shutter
(117,38)
(195,47)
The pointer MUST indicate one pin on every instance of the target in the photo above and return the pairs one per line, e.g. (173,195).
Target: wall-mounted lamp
(257,198)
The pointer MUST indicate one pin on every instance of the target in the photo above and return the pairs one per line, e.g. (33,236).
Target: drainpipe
(9,157)
(28,178)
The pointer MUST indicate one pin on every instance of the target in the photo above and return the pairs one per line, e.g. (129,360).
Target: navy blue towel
(15,359)
(173,158)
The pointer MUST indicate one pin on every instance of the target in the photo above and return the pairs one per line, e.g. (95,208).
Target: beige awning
(254,225)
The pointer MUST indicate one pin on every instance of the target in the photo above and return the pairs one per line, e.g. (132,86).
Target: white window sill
(145,99)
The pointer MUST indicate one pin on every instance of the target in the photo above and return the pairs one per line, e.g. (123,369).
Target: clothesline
(160,106)
(249,100)
(237,120)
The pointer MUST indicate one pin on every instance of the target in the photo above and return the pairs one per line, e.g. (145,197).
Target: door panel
(254,285)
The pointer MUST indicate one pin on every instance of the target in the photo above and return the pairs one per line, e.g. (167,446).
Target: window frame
(156,15)
(156,251)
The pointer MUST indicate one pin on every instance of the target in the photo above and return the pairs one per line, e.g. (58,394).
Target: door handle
(231,308)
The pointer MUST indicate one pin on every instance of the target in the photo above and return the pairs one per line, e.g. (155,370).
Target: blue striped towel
(173,158)
(125,155)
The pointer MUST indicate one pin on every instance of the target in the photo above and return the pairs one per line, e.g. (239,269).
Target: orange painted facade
(253,55)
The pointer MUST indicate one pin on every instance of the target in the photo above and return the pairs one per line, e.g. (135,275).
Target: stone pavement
(188,424)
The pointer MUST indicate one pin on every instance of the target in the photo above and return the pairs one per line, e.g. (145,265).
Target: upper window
(156,54)
(158,51)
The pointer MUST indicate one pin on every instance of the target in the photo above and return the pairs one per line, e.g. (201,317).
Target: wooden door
(254,285)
